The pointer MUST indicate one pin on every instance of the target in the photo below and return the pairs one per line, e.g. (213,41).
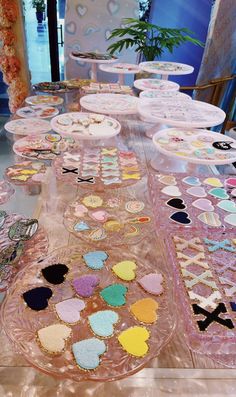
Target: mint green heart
(227,205)
(114,295)
(102,322)
(218,192)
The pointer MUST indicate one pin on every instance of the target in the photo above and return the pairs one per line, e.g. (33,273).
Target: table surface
(176,371)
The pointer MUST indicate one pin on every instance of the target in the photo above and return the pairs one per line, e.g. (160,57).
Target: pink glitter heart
(85,285)
(231,182)
(152,283)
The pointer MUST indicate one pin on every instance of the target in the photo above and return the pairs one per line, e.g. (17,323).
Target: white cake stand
(117,104)
(166,69)
(121,69)
(155,84)
(94,63)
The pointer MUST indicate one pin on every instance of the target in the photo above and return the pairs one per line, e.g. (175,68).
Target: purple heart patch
(85,285)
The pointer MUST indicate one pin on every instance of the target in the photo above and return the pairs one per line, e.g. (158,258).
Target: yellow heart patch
(144,310)
(125,270)
(133,340)
(213,182)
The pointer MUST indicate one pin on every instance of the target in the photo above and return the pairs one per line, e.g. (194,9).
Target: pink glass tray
(27,172)
(6,191)
(212,216)
(21,323)
(99,167)
(33,249)
(108,221)
(214,292)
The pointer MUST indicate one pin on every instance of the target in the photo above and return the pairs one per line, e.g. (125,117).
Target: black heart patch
(181,217)
(54,274)
(37,298)
(176,203)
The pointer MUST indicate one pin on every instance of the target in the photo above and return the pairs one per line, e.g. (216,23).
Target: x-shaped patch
(192,260)
(228,291)
(68,170)
(181,244)
(206,301)
(216,245)
(85,180)
(199,279)
(212,317)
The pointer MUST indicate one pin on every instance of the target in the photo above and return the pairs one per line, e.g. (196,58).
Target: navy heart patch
(37,298)
(55,274)
(176,203)
(181,217)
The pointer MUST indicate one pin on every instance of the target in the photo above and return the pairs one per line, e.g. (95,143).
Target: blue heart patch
(102,322)
(95,259)
(87,353)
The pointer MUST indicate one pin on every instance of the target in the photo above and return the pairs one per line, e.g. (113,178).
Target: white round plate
(153,94)
(40,111)
(51,100)
(28,126)
(169,68)
(187,114)
(156,84)
(85,125)
(110,103)
(91,60)
(120,68)
(194,146)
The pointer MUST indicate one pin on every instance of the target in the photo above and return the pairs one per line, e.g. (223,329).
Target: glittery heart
(203,204)
(114,295)
(230,219)
(53,338)
(219,193)
(144,310)
(231,182)
(95,259)
(102,322)
(215,182)
(87,353)
(80,210)
(81,227)
(210,219)
(125,270)
(81,10)
(55,274)
(176,203)
(192,180)
(181,217)
(197,191)
(227,205)
(69,310)
(85,285)
(37,298)
(133,340)
(97,235)
(100,216)
(152,283)
(233,192)
(168,180)
(171,191)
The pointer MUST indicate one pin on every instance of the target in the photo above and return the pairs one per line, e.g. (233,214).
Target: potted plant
(149,40)
(39,5)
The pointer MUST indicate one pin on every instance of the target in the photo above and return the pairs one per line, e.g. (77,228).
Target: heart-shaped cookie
(95,259)
(210,219)
(69,310)
(215,182)
(133,340)
(102,322)
(231,182)
(230,219)
(55,274)
(81,227)
(172,191)
(192,181)
(144,310)
(125,270)
(219,193)
(203,204)
(87,353)
(177,203)
(37,298)
(152,283)
(227,205)
(168,180)
(85,285)
(197,191)
(100,216)
(53,338)
(114,295)
(181,217)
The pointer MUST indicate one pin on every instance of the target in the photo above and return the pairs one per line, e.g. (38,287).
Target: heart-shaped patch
(168,180)
(81,227)
(197,191)
(114,295)
(125,270)
(227,205)
(210,219)
(113,7)
(87,353)
(100,216)
(81,10)
(80,210)
(70,28)
(215,182)
(69,310)
(95,259)
(53,338)
(102,322)
(231,182)
(37,298)
(172,191)
(192,181)
(55,274)
(176,203)
(203,204)
(98,234)
(152,283)
(85,285)
(219,193)
(181,217)
(133,341)
(144,310)
(233,192)
(231,219)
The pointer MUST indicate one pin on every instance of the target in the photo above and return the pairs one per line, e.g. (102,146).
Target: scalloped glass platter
(29,126)
(27,172)
(51,100)
(40,111)
(110,103)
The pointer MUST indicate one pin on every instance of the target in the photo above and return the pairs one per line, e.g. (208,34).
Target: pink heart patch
(231,182)
(152,283)
(100,216)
